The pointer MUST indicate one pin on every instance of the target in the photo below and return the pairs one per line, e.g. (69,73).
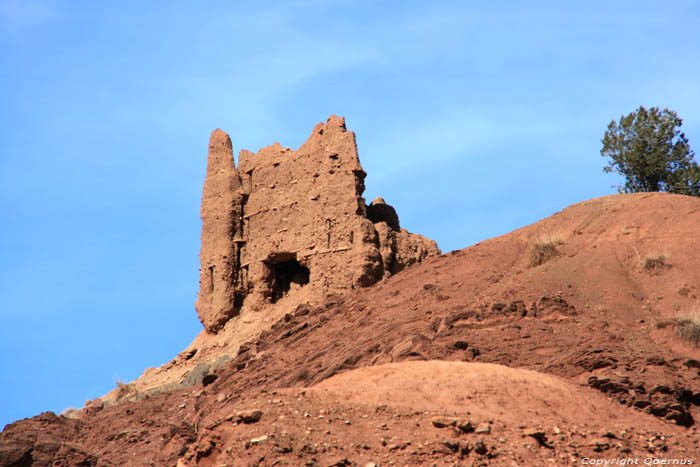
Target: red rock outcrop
(287,220)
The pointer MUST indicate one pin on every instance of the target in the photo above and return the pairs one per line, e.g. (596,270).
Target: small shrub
(655,265)
(124,390)
(543,250)
(689,327)
(663,324)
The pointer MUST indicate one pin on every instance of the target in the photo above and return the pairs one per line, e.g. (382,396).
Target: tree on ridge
(648,148)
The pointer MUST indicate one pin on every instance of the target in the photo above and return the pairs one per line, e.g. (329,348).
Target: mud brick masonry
(286,221)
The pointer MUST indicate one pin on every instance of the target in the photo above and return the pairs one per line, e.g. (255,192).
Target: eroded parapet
(294,223)
(399,248)
(220,292)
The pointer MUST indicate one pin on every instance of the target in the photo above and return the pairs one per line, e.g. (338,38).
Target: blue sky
(472,119)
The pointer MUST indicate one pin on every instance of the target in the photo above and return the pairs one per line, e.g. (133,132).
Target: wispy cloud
(462,133)
(16,15)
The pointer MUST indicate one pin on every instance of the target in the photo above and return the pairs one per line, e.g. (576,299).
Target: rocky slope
(552,344)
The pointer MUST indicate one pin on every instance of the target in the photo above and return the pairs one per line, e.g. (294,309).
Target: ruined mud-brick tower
(287,222)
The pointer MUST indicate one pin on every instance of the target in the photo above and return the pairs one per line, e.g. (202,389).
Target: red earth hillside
(555,343)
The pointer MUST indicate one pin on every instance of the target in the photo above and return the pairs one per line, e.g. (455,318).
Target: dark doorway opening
(285,271)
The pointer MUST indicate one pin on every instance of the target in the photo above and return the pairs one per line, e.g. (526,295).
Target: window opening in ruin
(211,277)
(284,272)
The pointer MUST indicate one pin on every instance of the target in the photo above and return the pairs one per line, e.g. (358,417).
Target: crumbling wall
(220,288)
(288,220)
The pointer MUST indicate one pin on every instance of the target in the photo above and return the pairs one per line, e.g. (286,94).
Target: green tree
(649,150)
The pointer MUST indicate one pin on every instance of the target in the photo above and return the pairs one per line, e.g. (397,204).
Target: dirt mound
(582,307)
(484,391)
(410,413)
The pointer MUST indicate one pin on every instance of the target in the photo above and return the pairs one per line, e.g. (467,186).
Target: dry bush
(688,327)
(124,390)
(544,249)
(663,324)
(655,264)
